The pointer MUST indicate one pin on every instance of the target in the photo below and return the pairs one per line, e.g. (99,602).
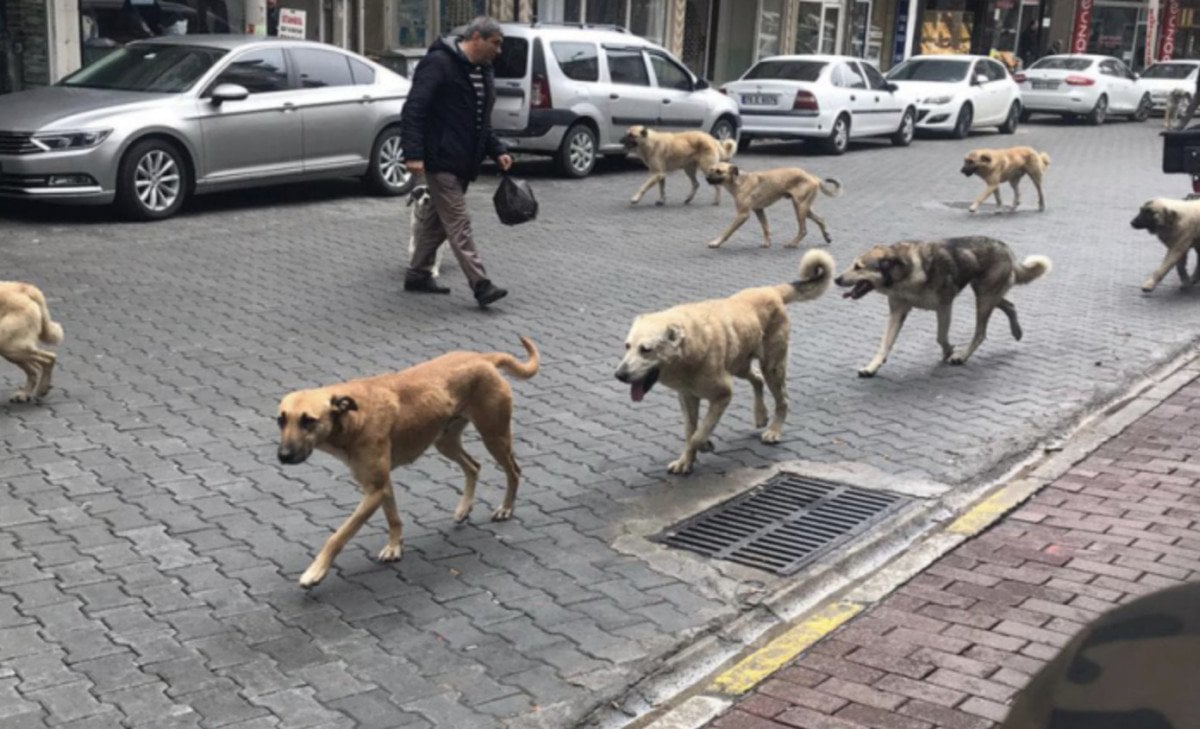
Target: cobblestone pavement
(951,648)
(150,542)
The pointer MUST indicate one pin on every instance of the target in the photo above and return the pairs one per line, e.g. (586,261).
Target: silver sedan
(161,119)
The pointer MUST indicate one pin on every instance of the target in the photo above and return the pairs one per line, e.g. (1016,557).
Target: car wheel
(387,174)
(152,180)
(577,153)
(1143,109)
(1025,115)
(962,125)
(744,142)
(723,129)
(1015,115)
(1099,112)
(839,138)
(903,136)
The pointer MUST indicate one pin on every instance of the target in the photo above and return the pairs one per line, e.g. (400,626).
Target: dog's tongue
(637,391)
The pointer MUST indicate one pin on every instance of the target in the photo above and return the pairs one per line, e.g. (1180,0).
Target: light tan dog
(697,349)
(997,166)
(665,152)
(1177,225)
(759,190)
(378,423)
(25,321)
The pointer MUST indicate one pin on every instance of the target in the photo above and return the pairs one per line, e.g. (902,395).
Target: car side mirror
(229,92)
(980,79)
(890,87)
(700,85)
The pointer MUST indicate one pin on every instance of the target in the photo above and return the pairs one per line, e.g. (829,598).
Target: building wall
(30,41)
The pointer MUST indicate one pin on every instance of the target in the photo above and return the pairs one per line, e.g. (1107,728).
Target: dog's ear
(734,171)
(342,404)
(675,334)
(644,133)
(1169,216)
(985,158)
(886,266)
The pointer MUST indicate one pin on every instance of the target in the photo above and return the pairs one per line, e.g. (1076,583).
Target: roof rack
(535,23)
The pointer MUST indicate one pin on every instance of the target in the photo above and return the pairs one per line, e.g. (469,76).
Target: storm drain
(784,524)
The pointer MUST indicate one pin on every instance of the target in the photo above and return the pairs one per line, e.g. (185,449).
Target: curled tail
(831,187)
(516,368)
(1031,268)
(816,273)
(728,147)
(52,331)
(1045,159)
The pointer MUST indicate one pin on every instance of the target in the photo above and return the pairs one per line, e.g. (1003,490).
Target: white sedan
(956,94)
(1072,85)
(828,98)
(1161,78)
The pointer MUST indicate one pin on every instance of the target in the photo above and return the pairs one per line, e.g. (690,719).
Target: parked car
(831,99)
(957,93)
(158,120)
(1075,85)
(1160,79)
(571,92)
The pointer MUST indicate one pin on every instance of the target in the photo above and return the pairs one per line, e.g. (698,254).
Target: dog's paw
(19,396)
(462,512)
(1041,208)
(1147,287)
(957,358)
(634,201)
(504,513)
(391,552)
(973,209)
(771,436)
(706,447)
(715,243)
(760,418)
(680,467)
(867,372)
(660,203)
(312,576)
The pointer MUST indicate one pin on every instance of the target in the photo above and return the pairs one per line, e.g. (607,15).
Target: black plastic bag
(515,203)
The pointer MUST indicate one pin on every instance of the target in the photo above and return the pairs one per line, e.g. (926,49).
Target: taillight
(1019,78)
(1080,81)
(805,101)
(540,94)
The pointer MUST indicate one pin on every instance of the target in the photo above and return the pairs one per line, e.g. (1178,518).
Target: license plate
(1045,84)
(760,99)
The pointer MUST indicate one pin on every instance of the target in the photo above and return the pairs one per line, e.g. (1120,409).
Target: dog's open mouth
(861,289)
(639,388)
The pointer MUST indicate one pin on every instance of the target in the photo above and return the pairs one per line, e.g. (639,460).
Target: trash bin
(1181,151)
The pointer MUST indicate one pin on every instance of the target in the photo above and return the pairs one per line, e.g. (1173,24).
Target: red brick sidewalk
(952,646)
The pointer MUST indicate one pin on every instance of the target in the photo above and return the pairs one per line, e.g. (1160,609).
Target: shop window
(808,28)
(770,26)
(105,25)
(695,35)
(259,71)
(412,23)
(607,12)
(318,69)
(946,31)
(455,13)
(648,18)
(578,61)
(627,67)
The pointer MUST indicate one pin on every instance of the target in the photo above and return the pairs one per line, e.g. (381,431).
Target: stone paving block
(373,710)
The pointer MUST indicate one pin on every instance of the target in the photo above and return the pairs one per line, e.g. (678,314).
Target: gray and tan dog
(929,274)
(665,152)
(25,321)
(1177,102)
(997,166)
(1177,224)
(378,423)
(756,191)
(697,349)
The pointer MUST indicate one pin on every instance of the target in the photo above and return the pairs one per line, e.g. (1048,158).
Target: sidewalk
(952,646)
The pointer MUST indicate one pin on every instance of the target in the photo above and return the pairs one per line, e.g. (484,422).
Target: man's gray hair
(484,25)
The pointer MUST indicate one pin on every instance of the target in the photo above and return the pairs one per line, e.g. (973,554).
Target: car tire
(1015,115)
(962,125)
(724,129)
(576,155)
(152,180)
(839,137)
(903,136)
(386,174)
(1099,112)
(1026,114)
(1142,113)
(744,142)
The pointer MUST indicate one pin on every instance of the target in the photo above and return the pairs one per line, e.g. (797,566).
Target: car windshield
(939,69)
(786,70)
(166,68)
(1169,70)
(1061,63)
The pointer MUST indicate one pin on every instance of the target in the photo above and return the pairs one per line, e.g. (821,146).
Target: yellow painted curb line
(986,512)
(774,655)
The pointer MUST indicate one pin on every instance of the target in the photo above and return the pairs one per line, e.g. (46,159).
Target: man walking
(446,132)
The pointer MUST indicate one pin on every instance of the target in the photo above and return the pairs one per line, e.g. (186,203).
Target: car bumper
(1073,102)
(784,125)
(543,133)
(79,176)
(936,118)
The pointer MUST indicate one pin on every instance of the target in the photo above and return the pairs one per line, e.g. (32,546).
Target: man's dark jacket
(438,122)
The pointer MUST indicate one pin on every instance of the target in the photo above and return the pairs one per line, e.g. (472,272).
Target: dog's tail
(513,366)
(728,147)
(816,272)
(1031,268)
(831,186)
(1045,159)
(52,331)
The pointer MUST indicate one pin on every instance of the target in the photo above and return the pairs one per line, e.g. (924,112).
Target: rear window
(1061,63)
(513,60)
(939,70)
(1168,70)
(786,70)
(578,61)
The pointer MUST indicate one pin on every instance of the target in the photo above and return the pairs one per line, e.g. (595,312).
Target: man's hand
(505,162)
(415,166)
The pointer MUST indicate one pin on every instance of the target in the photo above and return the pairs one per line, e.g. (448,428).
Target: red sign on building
(1083,26)
(1169,30)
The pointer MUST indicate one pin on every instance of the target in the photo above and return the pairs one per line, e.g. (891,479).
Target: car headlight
(55,141)
(936,100)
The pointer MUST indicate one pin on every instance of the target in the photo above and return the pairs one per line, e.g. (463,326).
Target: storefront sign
(292,23)
(901,34)
(1170,26)
(1151,32)
(1083,26)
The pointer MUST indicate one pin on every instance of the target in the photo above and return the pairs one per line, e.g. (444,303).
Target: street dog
(997,166)
(665,152)
(1177,224)
(759,190)
(378,423)
(929,274)
(25,321)
(422,207)
(1177,102)
(697,349)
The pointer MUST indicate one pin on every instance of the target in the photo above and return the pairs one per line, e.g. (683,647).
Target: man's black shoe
(424,285)
(487,292)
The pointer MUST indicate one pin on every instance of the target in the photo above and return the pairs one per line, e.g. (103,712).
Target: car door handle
(365,100)
(853,97)
(666,101)
(614,96)
(287,106)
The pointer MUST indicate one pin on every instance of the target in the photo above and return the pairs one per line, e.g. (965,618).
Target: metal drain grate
(784,524)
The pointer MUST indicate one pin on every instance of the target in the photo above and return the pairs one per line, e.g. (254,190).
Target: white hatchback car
(1073,85)
(1160,79)
(956,93)
(829,98)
